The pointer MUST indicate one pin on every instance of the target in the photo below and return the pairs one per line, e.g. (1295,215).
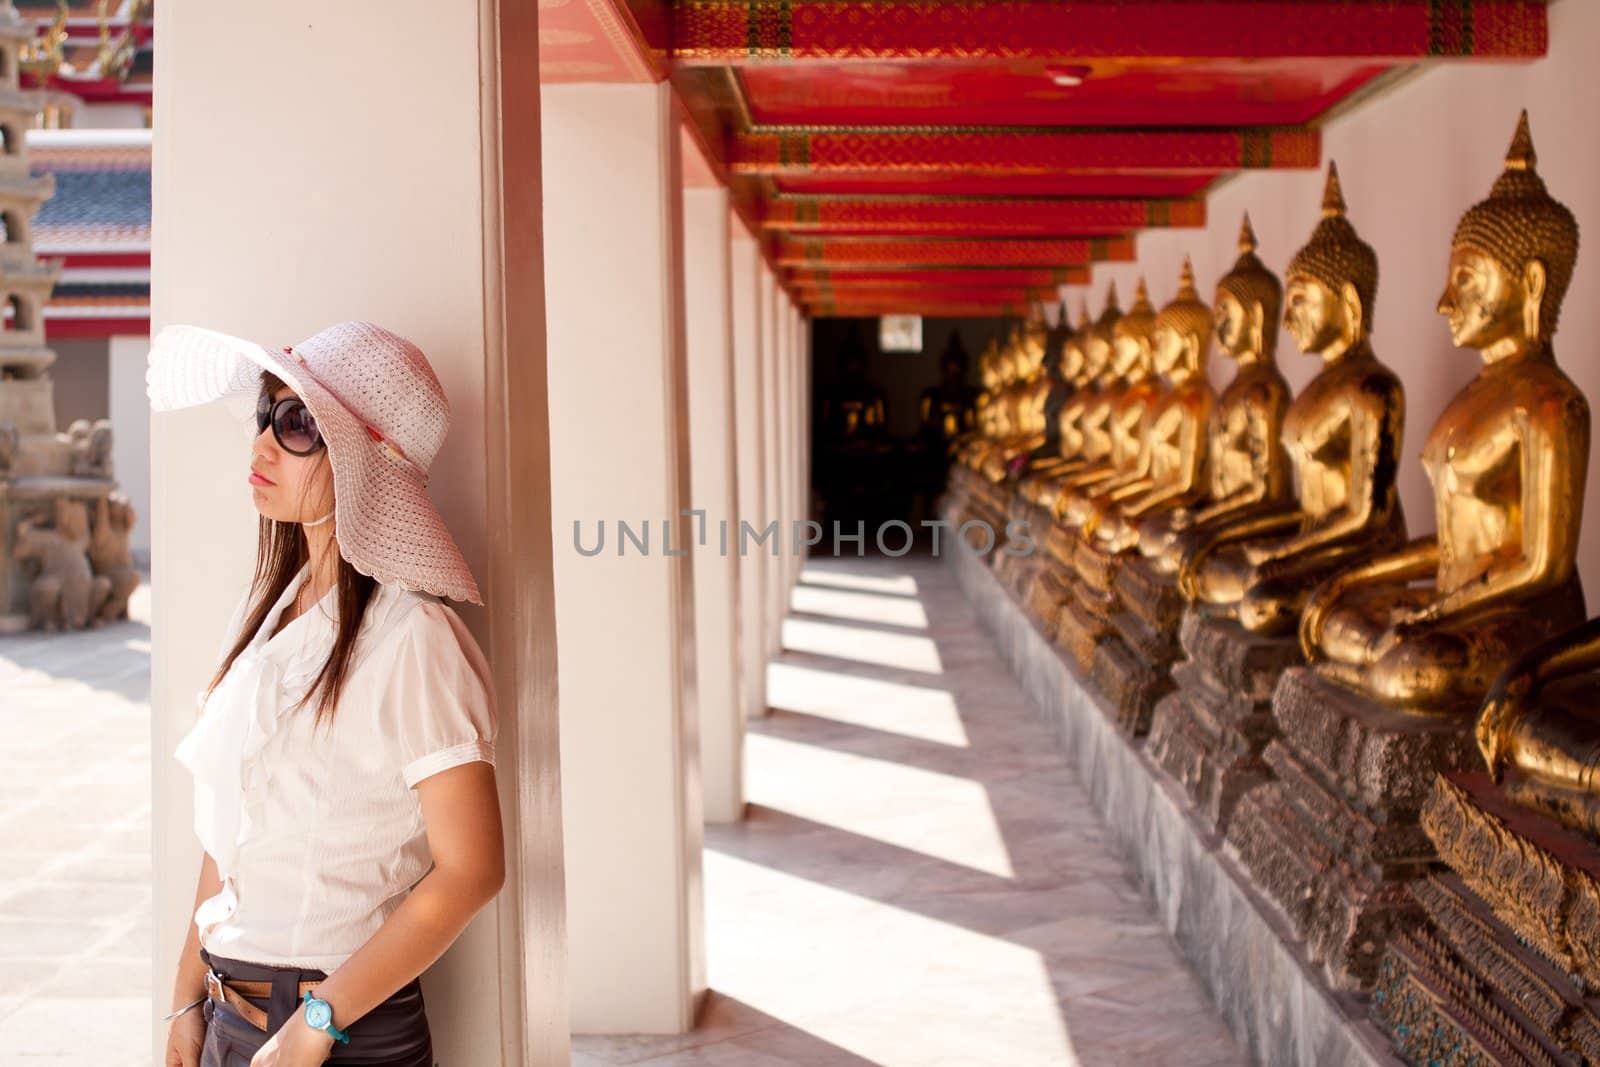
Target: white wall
(1411,162)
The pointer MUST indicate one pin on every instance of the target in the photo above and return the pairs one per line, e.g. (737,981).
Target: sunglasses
(293,425)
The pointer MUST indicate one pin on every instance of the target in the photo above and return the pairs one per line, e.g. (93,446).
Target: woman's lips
(256,479)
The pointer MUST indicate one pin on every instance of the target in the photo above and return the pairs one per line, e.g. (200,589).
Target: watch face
(318,1013)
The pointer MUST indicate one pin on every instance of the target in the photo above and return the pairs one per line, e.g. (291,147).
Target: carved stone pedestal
(1210,731)
(1018,572)
(987,503)
(1085,619)
(1334,836)
(1047,596)
(1132,668)
(1506,969)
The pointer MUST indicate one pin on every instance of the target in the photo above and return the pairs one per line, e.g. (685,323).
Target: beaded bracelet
(183,1009)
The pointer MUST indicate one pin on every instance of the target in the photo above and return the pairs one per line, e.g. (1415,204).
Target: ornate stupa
(50,482)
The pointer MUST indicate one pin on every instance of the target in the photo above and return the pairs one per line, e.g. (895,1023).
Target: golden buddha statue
(983,408)
(1343,433)
(1030,389)
(1133,363)
(1090,419)
(1541,723)
(1079,378)
(1428,628)
(1004,404)
(1173,459)
(1248,465)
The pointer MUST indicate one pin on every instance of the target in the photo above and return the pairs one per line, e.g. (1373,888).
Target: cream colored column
(707,254)
(807,414)
(130,445)
(308,235)
(625,616)
(746,279)
(771,331)
(799,491)
(786,427)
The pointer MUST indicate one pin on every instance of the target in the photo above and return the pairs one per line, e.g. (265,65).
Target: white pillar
(748,423)
(714,484)
(130,444)
(310,233)
(771,387)
(620,451)
(806,416)
(786,439)
(798,492)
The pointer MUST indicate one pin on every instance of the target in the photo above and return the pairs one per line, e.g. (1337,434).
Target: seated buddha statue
(1079,383)
(983,407)
(1029,390)
(1057,390)
(1174,454)
(1247,463)
(1343,434)
(1092,422)
(1133,362)
(1427,628)
(945,412)
(1539,728)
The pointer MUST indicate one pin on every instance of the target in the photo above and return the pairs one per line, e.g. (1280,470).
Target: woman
(343,760)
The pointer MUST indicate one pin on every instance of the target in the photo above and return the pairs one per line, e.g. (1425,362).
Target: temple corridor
(920,878)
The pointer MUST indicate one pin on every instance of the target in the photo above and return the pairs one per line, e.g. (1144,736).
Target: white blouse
(318,833)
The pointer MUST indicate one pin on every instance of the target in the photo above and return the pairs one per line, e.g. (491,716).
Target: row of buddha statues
(1395,736)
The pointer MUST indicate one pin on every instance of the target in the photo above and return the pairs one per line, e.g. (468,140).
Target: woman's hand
(186,1035)
(294,1045)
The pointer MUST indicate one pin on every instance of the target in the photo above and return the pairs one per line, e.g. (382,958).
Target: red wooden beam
(833,251)
(979,218)
(804,278)
(1024,151)
(923,294)
(927,311)
(752,31)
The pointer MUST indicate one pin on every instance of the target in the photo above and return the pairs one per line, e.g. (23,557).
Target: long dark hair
(280,553)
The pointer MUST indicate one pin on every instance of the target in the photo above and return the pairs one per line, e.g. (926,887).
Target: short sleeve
(439,697)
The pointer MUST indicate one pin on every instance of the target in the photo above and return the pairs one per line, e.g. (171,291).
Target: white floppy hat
(383,416)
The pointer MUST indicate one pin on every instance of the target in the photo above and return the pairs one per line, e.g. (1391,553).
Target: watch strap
(333,1031)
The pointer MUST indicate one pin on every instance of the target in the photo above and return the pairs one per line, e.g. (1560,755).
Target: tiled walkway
(75,936)
(920,880)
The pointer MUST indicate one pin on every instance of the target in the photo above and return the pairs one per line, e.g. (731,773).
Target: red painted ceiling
(1262,92)
(891,150)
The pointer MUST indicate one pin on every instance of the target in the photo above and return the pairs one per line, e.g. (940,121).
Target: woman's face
(286,487)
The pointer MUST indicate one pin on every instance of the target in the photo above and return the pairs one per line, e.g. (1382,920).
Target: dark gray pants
(394,1034)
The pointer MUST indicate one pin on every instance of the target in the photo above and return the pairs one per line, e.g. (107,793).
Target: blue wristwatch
(319,1016)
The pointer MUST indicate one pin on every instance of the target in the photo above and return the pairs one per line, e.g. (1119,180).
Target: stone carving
(91,448)
(109,555)
(10,446)
(66,592)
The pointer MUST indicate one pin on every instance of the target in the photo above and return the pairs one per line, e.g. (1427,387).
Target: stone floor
(75,940)
(920,880)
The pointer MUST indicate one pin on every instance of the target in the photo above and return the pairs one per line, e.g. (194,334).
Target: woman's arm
(461,810)
(191,981)
(187,1033)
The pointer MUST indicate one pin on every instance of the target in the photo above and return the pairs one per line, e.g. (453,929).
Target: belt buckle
(213,985)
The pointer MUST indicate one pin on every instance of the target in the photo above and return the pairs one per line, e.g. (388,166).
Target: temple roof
(98,224)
